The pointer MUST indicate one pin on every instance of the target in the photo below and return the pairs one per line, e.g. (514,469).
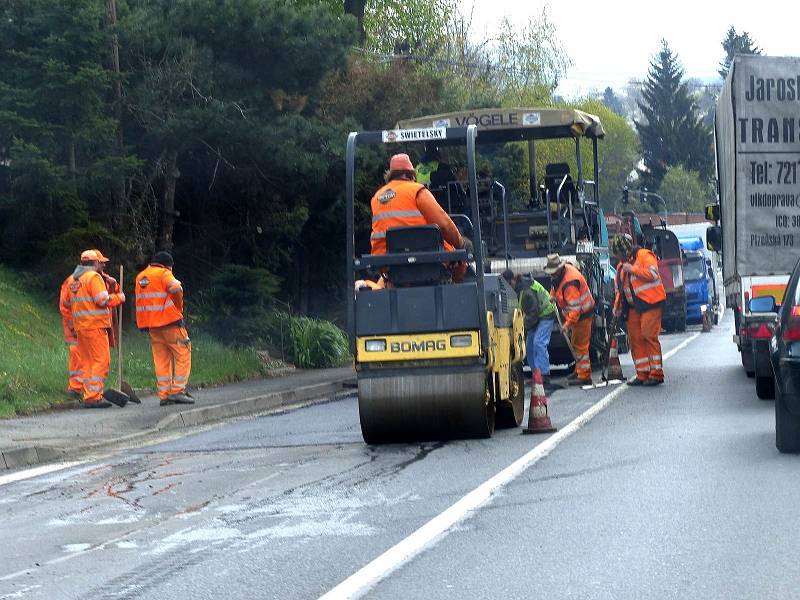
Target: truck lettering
(751,130)
(767,89)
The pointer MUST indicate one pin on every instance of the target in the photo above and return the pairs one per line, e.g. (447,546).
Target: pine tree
(671,131)
(733,44)
(611,100)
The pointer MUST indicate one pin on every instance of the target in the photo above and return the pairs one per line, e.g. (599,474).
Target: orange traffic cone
(538,419)
(614,366)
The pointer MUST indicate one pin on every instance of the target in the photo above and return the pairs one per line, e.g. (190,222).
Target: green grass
(33,357)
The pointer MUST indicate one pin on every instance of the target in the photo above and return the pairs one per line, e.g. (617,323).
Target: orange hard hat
(401,162)
(101,258)
(93,255)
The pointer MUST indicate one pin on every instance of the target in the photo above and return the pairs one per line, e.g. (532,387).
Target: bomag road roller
(435,359)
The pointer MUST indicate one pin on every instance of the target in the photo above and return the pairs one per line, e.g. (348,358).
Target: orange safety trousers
(172,357)
(75,383)
(643,330)
(580,338)
(94,360)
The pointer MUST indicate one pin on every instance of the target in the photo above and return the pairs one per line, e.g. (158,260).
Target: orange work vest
(395,205)
(159,298)
(88,299)
(647,290)
(65,306)
(584,304)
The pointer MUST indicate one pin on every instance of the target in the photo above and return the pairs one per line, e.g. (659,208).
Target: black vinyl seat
(417,238)
(553,174)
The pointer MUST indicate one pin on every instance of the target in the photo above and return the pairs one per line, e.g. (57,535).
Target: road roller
(435,359)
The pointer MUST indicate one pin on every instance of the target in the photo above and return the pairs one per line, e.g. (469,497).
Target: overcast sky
(610,42)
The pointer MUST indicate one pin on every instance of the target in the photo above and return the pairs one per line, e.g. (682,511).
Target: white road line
(36,471)
(434,530)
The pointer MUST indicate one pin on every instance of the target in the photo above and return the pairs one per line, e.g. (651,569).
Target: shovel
(124,386)
(605,381)
(125,393)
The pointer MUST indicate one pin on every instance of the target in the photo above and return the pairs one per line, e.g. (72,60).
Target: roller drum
(424,404)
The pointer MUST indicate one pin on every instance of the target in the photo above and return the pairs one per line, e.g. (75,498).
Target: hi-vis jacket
(89,301)
(65,306)
(159,298)
(405,203)
(573,296)
(642,288)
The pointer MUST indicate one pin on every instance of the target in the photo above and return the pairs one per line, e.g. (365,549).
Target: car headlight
(375,346)
(460,341)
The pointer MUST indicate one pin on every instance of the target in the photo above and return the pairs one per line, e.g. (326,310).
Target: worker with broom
(90,304)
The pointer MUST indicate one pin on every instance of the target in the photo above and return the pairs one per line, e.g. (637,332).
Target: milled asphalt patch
(287,399)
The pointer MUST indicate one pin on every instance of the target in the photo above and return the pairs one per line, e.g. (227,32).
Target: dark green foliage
(671,131)
(733,44)
(317,344)
(237,305)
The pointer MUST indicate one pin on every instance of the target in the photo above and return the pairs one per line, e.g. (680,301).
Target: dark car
(785,358)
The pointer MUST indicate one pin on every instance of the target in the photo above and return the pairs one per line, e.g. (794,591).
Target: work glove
(121,296)
(627,267)
(468,246)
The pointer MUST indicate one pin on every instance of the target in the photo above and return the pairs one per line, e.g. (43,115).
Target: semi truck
(757,142)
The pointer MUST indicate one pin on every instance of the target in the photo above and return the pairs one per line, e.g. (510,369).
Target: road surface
(672,492)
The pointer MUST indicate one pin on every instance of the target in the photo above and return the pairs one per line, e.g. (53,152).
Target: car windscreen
(693,270)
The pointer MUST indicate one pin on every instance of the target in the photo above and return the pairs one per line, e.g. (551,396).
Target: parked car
(785,359)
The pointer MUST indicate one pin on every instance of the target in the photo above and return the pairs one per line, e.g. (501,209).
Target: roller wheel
(510,412)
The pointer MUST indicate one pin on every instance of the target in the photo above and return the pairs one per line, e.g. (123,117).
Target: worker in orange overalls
(90,304)
(75,377)
(642,293)
(574,299)
(159,310)
(403,202)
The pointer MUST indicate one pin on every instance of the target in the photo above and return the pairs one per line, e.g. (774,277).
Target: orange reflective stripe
(158,298)
(87,300)
(649,290)
(394,205)
(584,303)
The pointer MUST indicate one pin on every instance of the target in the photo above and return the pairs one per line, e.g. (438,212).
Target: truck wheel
(765,387)
(787,427)
(747,361)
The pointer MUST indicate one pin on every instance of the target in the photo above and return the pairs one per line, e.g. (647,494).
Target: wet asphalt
(672,492)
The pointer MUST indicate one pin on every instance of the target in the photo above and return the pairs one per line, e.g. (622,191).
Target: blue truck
(698,276)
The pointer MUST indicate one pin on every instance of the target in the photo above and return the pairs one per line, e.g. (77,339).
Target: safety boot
(635,381)
(652,382)
(180,399)
(96,404)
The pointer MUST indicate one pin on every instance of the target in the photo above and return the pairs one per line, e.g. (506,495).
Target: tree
(670,130)
(57,128)
(733,44)
(612,102)
(683,190)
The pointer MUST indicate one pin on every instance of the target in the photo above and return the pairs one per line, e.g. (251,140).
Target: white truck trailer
(757,141)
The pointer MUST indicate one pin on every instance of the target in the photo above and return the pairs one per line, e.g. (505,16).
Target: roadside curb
(289,399)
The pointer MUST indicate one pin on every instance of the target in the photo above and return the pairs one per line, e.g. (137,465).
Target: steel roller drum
(424,405)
